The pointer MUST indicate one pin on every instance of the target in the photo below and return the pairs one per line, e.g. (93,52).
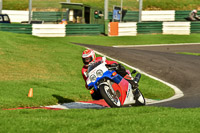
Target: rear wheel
(109,95)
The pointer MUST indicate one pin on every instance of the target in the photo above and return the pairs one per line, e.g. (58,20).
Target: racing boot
(133,83)
(136,94)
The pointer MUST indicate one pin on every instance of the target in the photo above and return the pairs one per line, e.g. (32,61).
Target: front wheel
(140,100)
(109,95)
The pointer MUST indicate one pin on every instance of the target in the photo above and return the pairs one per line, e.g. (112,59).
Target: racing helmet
(195,11)
(88,56)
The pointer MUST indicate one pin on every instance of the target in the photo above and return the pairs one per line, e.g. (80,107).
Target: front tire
(111,98)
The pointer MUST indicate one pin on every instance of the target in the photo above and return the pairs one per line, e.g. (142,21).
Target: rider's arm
(107,61)
(111,62)
(196,16)
(84,71)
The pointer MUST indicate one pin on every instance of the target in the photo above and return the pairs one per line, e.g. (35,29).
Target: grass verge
(52,67)
(140,119)
(137,40)
(187,53)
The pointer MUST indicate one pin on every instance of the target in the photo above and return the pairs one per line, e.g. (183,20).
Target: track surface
(162,62)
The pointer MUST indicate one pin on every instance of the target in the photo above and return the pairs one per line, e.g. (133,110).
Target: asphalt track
(163,62)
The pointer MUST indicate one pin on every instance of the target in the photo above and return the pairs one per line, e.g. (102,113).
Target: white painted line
(154,45)
(178,92)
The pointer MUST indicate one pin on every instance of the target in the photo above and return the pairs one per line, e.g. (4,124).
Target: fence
(123,29)
(84,29)
(158,15)
(17,16)
(128,16)
(127,29)
(17,28)
(181,15)
(54,30)
(49,30)
(178,28)
(170,15)
(195,27)
(131,29)
(48,16)
(149,27)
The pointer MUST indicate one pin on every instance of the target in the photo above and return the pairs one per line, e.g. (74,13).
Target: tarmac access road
(164,63)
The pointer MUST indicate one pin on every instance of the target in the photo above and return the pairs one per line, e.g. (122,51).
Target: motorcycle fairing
(120,93)
(126,90)
(107,75)
(129,97)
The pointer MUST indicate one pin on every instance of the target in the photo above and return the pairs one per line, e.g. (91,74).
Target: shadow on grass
(62,99)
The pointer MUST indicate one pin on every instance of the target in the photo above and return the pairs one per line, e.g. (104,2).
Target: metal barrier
(49,30)
(17,28)
(127,29)
(48,16)
(128,16)
(131,16)
(17,16)
(119,29)
(181,15)
(178,28)
(84,29)
(195,27)
(168,15)
(149,27)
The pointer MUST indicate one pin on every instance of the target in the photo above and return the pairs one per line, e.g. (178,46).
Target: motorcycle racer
(88,56)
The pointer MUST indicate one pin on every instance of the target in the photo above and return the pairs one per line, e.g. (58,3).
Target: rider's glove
(114,65)
(118,67)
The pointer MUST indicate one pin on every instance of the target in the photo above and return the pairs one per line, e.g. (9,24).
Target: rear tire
(111,99)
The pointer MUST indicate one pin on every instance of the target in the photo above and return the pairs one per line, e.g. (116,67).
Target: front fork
(108,83)
(110,86)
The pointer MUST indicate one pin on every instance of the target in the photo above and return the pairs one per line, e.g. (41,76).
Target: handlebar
(137,78)
(111,67)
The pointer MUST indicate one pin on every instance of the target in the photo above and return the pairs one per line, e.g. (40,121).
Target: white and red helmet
(195,11)
(88,56)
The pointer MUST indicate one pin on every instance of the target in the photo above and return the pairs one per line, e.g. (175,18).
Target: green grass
(187,53)
(115,120)
(52,67)
(49,66)
(137,40)
(127,4)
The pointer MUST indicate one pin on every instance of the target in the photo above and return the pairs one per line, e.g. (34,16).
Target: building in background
(81,13)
